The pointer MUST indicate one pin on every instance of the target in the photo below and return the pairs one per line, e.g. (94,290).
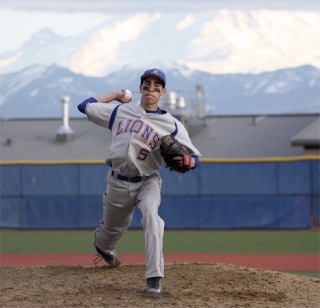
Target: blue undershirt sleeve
(83,105)
(197,162)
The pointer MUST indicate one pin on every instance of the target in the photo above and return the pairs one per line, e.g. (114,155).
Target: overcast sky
(19,19)
(166,5)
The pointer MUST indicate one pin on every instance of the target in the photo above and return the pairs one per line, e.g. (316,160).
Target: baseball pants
(119,202)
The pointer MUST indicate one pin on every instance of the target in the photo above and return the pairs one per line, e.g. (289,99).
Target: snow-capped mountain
(219,42)
(36,91)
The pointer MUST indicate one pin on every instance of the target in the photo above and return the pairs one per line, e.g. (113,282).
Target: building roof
(309,136)
(215,137)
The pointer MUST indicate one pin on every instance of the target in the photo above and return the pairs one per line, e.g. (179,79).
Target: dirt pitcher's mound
(185,285)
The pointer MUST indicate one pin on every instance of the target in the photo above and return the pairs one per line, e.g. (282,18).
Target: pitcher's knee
(152,222)
(149,214)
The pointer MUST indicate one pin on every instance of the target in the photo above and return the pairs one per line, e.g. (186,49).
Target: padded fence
(221,194)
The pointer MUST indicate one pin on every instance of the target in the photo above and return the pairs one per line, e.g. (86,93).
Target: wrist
(194,162)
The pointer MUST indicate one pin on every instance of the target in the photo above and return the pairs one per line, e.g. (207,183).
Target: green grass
(46,241)
(274,242)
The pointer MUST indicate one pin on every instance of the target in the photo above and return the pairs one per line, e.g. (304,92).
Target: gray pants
(119,201)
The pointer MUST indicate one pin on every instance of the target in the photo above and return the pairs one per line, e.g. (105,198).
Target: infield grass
(80,241)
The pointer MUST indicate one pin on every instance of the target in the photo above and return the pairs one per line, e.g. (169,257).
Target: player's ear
(140,88)
(163,91)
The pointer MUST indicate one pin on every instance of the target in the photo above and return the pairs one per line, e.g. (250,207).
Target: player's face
(151,90)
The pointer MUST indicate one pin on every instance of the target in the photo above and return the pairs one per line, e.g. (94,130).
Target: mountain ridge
(36,91)
(222,41)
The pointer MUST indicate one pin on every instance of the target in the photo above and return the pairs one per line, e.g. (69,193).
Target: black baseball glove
(170,148)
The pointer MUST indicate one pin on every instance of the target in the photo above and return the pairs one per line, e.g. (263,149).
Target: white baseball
(128,95)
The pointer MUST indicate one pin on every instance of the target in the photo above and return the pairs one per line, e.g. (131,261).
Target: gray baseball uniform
(134,153)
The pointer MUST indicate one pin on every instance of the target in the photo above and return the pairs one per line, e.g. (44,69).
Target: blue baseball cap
(156,73)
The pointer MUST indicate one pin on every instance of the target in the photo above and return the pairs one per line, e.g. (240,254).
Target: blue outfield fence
(274,193)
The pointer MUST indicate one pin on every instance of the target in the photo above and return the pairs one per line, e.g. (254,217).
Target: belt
(134,179)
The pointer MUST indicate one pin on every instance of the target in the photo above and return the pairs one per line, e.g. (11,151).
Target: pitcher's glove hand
(171,148)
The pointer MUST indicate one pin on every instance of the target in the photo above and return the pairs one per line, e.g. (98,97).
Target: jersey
(136,136)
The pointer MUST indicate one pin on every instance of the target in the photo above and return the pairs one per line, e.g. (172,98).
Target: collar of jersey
(156,111)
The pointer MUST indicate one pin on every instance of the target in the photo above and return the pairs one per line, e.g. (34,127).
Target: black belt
(134,179)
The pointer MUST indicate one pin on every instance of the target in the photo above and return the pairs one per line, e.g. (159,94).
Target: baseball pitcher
(144,137)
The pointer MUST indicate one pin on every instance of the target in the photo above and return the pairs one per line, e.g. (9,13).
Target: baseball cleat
(154,287)
(111,258)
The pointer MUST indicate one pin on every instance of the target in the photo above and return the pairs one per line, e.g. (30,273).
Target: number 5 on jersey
(143,154)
